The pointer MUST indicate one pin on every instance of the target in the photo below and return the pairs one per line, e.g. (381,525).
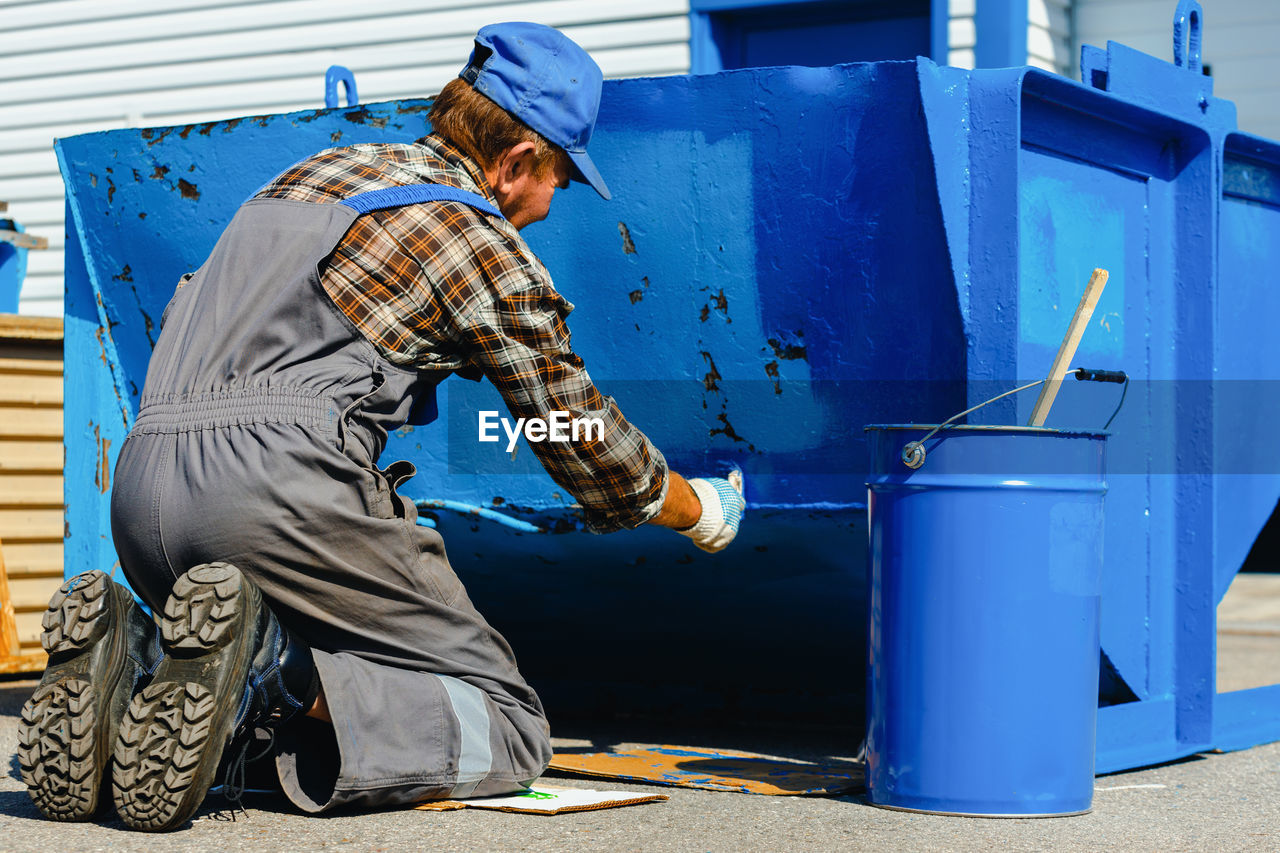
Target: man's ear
(515,164)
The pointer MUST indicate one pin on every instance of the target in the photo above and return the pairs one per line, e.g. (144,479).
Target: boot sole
(173,735)
(69,723)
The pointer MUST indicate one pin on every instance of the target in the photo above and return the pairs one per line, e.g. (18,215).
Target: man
(295,590)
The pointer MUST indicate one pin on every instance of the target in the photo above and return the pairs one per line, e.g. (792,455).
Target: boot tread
(57,750)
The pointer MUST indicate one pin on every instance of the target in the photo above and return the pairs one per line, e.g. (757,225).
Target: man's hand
(722,509)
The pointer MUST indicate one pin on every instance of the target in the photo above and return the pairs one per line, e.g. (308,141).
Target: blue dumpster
(792,253)
(985,583)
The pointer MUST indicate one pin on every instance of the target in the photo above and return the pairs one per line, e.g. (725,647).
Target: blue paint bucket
(985,573)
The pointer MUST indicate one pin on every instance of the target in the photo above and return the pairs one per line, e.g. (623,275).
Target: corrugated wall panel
(31,461)
(76,66)
(1049,35)
(1240,38)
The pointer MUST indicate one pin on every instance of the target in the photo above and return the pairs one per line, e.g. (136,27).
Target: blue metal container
(985,582)
(790,251)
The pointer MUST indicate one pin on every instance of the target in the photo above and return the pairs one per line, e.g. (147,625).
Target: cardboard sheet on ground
(716,770)
(545,799)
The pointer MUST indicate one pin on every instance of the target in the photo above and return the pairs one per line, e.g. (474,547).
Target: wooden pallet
(31,502)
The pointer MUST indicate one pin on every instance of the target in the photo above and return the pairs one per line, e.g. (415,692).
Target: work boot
(101,644)
(229,667)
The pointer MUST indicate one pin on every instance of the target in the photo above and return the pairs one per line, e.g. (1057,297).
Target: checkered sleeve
(511,324)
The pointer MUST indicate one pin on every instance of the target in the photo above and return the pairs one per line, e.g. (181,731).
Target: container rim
(992,428)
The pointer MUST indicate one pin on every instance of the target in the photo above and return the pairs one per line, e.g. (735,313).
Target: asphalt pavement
(1212,802)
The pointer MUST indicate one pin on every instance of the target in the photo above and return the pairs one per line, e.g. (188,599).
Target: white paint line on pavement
(1129,787)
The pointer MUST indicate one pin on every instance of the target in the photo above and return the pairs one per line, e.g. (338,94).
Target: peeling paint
(628,246)
(102,476)
(635,296)
(125,274)
(720,302)
(771,369)
(789,351)
(335,136)
(150,135)
(729,432)
(363,116)
(188,189)
(159,172)
(712,378)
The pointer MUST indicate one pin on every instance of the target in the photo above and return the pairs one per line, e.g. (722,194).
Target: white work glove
(722,509)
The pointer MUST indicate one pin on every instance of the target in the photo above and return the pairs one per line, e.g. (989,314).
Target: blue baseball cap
(547,81)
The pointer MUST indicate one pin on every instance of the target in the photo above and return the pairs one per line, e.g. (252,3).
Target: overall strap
(416,194)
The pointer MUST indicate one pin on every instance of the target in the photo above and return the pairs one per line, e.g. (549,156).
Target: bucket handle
(913,452)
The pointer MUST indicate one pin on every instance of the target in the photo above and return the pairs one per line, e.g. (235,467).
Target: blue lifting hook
(335,75)
(1188,20)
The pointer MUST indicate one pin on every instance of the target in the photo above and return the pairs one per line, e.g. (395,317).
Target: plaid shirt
(442,286)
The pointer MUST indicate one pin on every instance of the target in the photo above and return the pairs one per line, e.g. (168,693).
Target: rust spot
(142,215)
(788,351)
(188,189)
(152,137)
(645,280)
(635,296)
(720,302)
(706,312)
(158,173)
(93,180)
(126,274)
(111,190)
(137,178)
(413,108)
(186,131)
(335,136)
(498,500)
(102,477)
(363,116)
(729,432)
(772,370)
(628,247)
(102,345)
(712,378)
(150,326)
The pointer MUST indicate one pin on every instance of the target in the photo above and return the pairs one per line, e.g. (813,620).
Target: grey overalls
(263,415)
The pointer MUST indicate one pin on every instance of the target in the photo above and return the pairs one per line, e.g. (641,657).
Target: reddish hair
(484,130)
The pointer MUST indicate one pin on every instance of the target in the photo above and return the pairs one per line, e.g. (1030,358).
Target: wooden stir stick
(1067,351)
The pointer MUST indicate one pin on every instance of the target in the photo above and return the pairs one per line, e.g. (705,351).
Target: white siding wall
(962,33)
(1240,45)
(1048,34)
(74,66)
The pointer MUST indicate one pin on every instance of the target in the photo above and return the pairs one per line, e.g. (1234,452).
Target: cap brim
(587,173)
